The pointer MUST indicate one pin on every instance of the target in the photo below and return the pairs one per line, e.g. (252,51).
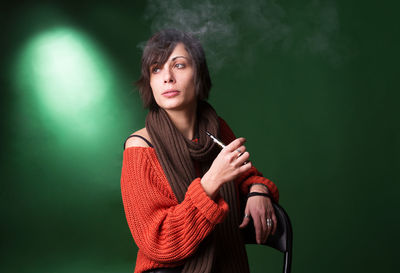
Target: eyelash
(177,65)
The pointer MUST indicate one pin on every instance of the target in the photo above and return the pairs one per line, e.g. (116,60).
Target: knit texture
(168,232)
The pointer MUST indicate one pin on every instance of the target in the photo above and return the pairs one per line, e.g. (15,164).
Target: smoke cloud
(220,25)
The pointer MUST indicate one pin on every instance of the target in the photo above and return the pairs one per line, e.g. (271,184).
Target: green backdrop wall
(312,85)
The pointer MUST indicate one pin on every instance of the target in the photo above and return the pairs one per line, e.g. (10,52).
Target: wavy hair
(157,50)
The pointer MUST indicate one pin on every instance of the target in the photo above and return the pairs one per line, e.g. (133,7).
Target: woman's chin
(174,105)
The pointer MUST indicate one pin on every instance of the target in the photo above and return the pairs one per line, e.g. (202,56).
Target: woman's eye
(155,69)
(179,66)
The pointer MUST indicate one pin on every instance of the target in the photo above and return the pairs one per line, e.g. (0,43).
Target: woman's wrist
(258,187)
(210,186)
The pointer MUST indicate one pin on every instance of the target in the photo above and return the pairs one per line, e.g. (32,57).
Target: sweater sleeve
(166,232)
(252,176)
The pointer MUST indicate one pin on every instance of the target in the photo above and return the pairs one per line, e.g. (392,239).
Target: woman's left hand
(260,208)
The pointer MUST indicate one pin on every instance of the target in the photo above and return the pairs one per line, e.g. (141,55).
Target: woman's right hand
(229,164)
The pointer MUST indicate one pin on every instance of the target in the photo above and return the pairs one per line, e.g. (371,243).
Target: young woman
(180,190)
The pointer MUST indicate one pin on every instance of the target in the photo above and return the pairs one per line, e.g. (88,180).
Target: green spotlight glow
(69,78)
(68,72)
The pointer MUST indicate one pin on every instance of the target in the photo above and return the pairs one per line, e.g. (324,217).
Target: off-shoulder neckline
(139,147)
(194,140)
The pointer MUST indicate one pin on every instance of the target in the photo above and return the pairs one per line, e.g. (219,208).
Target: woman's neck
(184,120)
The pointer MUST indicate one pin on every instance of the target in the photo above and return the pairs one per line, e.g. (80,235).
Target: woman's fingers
(264,231)
(258,228)
(242,159)
(246,220)
(245,167)
(230,163)
(271,216)
(263,215)
(237,153)
(267,233)
(235,144)
(269,223)
(264,219)
(274,222)
(240,151)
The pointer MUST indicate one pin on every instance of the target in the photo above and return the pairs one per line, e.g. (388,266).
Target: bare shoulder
(137,141)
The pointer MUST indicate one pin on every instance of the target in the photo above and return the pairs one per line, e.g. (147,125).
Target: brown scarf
(223,250)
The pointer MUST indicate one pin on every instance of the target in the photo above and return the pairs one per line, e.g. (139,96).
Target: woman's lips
(170,94)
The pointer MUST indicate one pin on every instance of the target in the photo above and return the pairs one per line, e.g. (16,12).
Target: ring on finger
(269,222)
(240,154)
(246,215)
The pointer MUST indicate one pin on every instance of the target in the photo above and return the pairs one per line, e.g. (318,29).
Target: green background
(312,85)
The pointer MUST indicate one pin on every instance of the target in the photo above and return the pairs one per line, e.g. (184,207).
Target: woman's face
(173,83)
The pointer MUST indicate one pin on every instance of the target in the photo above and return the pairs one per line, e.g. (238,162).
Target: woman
(180,190)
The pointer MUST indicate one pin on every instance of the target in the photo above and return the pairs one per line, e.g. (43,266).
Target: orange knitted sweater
(167,232)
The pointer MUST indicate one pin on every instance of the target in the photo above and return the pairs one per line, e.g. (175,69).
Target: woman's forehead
(179,51)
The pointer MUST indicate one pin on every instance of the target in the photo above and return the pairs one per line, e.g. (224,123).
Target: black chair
(282,240)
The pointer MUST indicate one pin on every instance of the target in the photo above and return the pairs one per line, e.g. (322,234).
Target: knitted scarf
(223,250)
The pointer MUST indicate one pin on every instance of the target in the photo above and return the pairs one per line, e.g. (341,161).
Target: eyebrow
(176,57)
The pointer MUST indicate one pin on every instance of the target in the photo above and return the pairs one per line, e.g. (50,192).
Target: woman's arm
(259,208)
(248,180)
(163,229)
(252,176)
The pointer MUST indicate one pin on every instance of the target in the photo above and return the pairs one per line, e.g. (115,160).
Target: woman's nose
(168,76)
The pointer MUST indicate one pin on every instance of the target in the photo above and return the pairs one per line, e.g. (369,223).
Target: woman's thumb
(245,222)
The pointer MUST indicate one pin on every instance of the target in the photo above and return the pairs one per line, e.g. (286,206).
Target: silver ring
(246,215)
(240,153)
(269,222)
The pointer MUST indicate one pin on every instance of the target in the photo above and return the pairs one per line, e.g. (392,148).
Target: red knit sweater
(167,232)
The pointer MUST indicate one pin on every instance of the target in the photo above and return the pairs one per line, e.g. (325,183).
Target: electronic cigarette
(222,145)
(216,140)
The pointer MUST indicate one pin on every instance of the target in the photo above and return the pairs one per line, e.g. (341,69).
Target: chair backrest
(282,240)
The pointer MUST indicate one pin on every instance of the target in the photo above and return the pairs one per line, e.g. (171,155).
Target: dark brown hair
(158,48)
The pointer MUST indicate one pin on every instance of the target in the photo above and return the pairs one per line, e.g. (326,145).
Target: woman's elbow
(167,248)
